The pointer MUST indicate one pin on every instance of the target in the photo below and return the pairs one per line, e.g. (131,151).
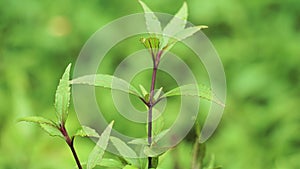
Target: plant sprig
(158,43)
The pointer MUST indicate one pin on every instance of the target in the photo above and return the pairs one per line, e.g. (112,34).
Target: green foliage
(261,65)
(110,163)
(125,151)
(193,90)
(107,81)
(86,132)
(97,153)
(47,125)
(152,22)
(173,32)
(62,97)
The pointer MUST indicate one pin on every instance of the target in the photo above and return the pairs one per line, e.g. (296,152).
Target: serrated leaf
(52,130)
(125,151)
(152,22)
(130,167)
(201,91)
(47,125)
(86,132)
(97,153)
(62,96)
(107,81)
(176,24)
(183,34)
(110,163)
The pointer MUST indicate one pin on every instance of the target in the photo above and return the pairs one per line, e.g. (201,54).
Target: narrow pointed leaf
(183,35)
(143,90)
(176,24)
(158,93)
(62,96)
(97,153)
(125,151)
(86,132)
(188,32)
(47,125)
(139,141)
(107,81)
(201,91)
(152,22)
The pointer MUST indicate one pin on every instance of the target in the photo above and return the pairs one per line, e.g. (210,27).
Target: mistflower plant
(157,42)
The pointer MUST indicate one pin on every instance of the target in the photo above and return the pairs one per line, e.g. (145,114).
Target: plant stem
(70,142)
(152,102)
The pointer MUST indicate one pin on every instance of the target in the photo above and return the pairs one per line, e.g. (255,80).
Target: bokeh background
(258,43)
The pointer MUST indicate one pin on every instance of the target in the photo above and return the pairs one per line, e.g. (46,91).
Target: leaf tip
(202,27)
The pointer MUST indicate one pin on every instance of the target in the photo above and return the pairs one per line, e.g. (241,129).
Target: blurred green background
(258,43)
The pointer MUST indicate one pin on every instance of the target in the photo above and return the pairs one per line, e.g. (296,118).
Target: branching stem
(70,142)
(152,102)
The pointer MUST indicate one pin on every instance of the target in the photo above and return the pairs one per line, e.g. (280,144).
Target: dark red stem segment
(152,102)
(70,142)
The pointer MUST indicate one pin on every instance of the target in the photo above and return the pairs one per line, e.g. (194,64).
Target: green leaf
(62,97)
(176,24)
(188,32)
(47,125)
(125,151)
(130,167)
(139,141)
(152,22)
(193,90)
(107,81)
(158,93)
(143,90)
(154,151)
(110,163)
(98,151)
(86,132)
(183,34)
